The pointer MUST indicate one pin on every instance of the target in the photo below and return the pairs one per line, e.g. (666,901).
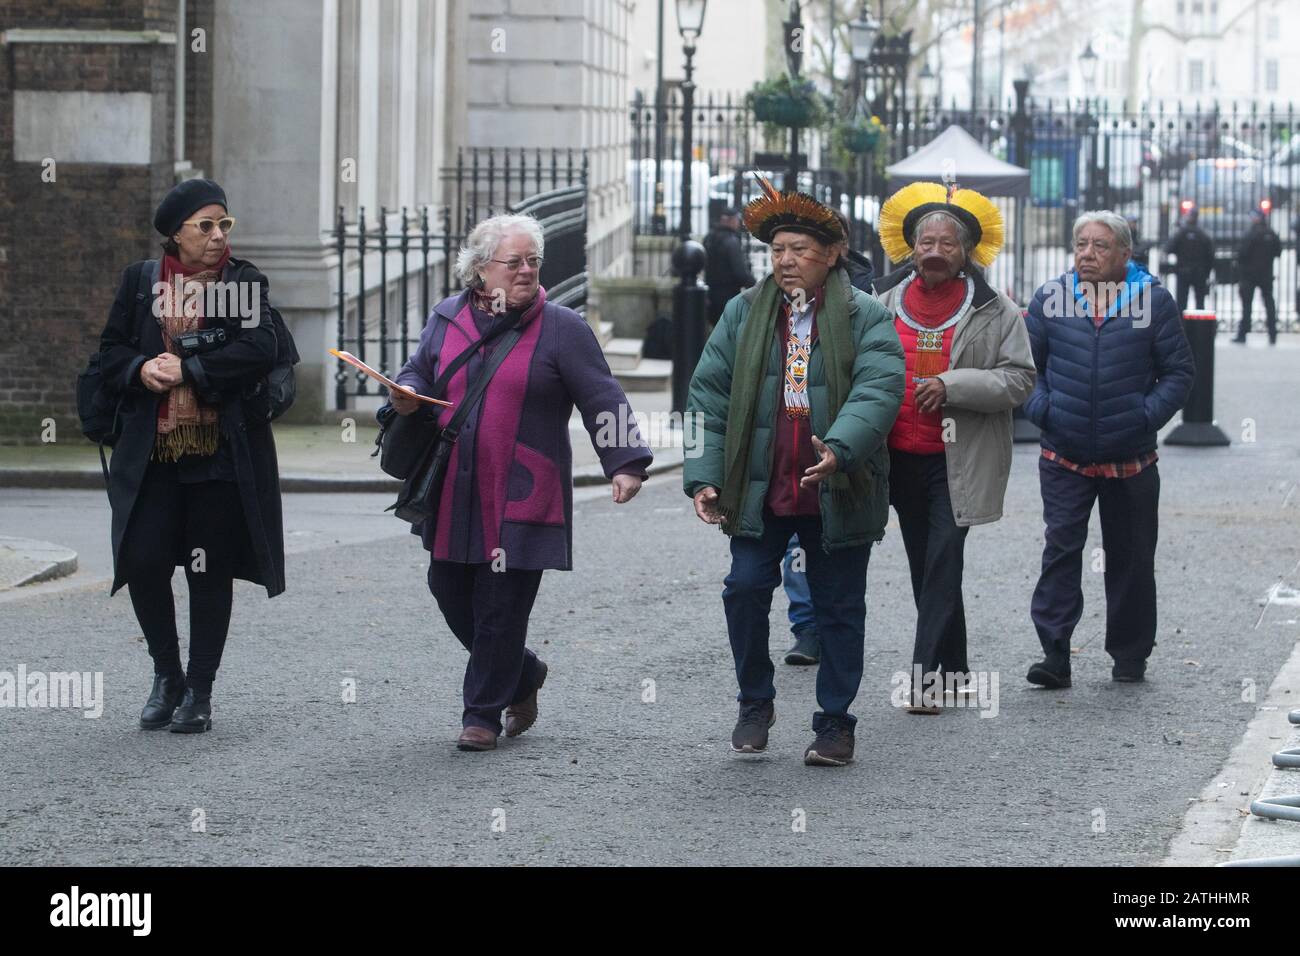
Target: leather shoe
(1129,672)
(194,715)
(1052,673)
(522,715)
(166,694)
(476,738)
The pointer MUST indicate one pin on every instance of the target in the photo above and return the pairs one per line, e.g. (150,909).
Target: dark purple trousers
(488,612)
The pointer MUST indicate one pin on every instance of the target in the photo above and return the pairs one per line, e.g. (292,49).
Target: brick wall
(64,244)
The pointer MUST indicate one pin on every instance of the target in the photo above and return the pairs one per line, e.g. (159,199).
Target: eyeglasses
(515,264)
(225,224)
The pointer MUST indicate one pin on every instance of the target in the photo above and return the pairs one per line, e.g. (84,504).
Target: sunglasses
(225,224)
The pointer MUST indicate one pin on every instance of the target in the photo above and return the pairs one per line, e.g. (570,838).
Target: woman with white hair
(504,511)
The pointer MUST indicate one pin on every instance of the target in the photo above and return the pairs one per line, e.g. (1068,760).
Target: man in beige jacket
(968,365)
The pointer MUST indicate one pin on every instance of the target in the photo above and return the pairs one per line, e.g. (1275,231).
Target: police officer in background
(727,269)
(1259,247)
(1193,249)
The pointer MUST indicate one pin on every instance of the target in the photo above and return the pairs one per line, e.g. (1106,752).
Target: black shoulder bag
(100,410)
(414,448)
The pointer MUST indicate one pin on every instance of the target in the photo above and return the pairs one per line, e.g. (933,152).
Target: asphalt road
(291,774)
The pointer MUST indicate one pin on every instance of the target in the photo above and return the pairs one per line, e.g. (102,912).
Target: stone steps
(623,353)
(649,375)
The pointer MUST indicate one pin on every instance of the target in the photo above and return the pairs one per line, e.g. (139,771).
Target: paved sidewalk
(314,458)
(26,561)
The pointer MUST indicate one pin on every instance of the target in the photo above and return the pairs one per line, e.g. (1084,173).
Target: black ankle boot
(194,715)
(166,694)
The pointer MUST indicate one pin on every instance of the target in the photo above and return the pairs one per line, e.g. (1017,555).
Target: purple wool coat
(509,480)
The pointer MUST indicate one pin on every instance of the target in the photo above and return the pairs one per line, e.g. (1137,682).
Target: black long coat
(131,337)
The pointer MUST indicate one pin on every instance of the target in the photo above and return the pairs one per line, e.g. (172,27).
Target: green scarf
(752,354)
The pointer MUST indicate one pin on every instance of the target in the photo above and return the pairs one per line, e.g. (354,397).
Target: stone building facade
(105,104)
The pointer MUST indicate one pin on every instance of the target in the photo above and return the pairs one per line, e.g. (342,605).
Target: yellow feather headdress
(903,210)
(774,211)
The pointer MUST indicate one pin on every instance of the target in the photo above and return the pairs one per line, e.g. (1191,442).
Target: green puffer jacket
(857,436)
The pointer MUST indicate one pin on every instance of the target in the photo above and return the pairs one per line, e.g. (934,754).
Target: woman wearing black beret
(191,482)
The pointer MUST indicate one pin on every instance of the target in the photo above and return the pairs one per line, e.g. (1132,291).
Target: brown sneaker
(750,734)
(521,716)
(477,738)
(832,748)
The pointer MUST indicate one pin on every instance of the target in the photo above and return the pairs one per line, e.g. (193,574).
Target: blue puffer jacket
(1103,393)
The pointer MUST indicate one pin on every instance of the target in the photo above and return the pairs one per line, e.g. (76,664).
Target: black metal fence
(1154,164)
(393,269)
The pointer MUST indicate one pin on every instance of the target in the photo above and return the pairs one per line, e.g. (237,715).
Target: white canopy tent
(955,154)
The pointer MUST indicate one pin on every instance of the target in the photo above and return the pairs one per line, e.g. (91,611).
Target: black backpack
(271,396)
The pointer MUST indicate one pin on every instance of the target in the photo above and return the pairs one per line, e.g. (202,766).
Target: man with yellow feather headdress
(968,365)
(796,390)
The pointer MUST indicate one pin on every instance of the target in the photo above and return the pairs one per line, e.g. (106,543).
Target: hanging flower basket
(780,103)
(861,136)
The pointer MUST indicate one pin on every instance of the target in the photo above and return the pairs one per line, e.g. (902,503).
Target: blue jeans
(802,618)
(837,583)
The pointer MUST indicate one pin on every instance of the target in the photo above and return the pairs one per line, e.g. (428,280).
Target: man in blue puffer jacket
(1113,367)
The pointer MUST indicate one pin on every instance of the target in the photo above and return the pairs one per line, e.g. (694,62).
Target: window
(1195,76)
(1270,75)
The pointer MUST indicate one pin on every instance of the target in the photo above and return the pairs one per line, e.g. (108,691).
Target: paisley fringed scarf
(186,425)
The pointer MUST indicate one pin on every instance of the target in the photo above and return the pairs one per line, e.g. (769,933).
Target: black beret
(183,200)
(964,216)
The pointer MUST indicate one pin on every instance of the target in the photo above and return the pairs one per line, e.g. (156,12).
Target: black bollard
(1198,426)
(688,318)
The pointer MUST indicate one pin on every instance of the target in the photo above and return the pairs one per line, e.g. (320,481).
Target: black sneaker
(1129,672)
(832,748)
(750,735)
(807,649)
(1054,672)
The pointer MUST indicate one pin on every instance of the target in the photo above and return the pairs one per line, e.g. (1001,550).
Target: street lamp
(1088,65)
(793,27)
(690,19)
(927,82)
(862,35)
(689,256)
(690,22)
(1088,70)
